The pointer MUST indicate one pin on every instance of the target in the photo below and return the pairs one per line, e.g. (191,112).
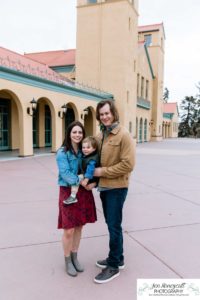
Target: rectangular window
(138,83)
(134,65)
(162,43)
(129,23)
(130,127)
(148,39)
(147,89)
(142,87)
(127,96)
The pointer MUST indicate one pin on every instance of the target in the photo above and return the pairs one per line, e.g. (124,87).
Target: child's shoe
(70,200)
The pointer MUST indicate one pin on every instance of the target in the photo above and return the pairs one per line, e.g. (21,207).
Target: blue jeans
(112,202)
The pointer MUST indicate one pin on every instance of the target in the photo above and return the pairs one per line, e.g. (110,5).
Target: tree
(166,95)
(188,117)
(198,104)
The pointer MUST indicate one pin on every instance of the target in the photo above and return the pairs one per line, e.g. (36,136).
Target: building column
(57,132)
(26,134)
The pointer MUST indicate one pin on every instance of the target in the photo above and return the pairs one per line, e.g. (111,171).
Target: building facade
(170,120)
(114,59)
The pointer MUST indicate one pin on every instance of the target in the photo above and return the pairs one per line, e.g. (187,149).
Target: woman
(72,217)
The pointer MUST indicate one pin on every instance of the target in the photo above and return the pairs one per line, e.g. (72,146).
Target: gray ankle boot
(70,269)
(76,263)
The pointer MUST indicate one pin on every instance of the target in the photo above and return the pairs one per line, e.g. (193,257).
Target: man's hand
(98,172)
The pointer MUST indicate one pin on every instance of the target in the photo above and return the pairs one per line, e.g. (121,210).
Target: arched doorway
(69,117)
(48,126)
(140,130)
(5,143)
(145,130)
(11,137)
(136,129)
(43,124)
(36,128)
(88,121)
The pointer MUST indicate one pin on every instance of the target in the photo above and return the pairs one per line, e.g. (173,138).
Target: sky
(44,25)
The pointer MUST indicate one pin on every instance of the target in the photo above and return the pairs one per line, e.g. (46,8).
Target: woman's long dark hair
(67,143)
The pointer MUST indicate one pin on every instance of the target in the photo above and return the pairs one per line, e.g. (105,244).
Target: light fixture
(85,113)
(31,110)
(151,123)
(62,113)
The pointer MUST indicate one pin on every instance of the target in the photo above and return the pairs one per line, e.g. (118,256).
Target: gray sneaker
(107,275)
(103,264)
(70,200)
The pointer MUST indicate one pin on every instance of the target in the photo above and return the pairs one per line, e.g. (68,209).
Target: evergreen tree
(198,105)
(188,117)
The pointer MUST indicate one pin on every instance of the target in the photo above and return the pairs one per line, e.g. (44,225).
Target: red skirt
(79,213)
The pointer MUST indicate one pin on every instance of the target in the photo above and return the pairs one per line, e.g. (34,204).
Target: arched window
(140,131)
(4,124)
(69,117)
(136,129)
(48,130)
(145,130)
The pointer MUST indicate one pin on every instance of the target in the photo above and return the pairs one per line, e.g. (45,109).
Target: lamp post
(85,113)
(63,111)
(31,110)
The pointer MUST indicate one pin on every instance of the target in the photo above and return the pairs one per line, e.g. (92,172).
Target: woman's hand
(90,186)
(98,172)
(84,182)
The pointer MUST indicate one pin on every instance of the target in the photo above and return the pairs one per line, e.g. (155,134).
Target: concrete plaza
(161,226)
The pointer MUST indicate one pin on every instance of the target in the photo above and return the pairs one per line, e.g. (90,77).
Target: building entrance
(69,118)
(4,124)
(48,133)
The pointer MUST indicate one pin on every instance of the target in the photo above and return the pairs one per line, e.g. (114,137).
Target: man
(117,159)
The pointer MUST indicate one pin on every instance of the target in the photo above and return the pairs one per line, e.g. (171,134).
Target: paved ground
(161,227)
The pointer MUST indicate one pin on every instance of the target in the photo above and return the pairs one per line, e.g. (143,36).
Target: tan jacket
(117,158)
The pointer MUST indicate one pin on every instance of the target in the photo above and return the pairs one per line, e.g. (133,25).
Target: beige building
(170,120)
(114,59)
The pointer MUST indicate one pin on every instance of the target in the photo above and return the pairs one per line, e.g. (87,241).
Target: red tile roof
(21,63)
(170,107)
(149,27)
(54,58)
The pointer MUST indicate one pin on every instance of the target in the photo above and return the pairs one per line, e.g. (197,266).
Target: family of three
(84,164)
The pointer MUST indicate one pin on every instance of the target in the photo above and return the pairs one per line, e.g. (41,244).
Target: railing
(168,115)
(144,103)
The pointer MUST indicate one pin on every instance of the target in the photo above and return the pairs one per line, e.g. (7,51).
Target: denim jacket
(68,167)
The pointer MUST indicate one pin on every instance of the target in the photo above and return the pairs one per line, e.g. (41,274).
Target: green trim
(149,61)
(143,103)
(63,69)
(27,79)
(168,115)
(92,1)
